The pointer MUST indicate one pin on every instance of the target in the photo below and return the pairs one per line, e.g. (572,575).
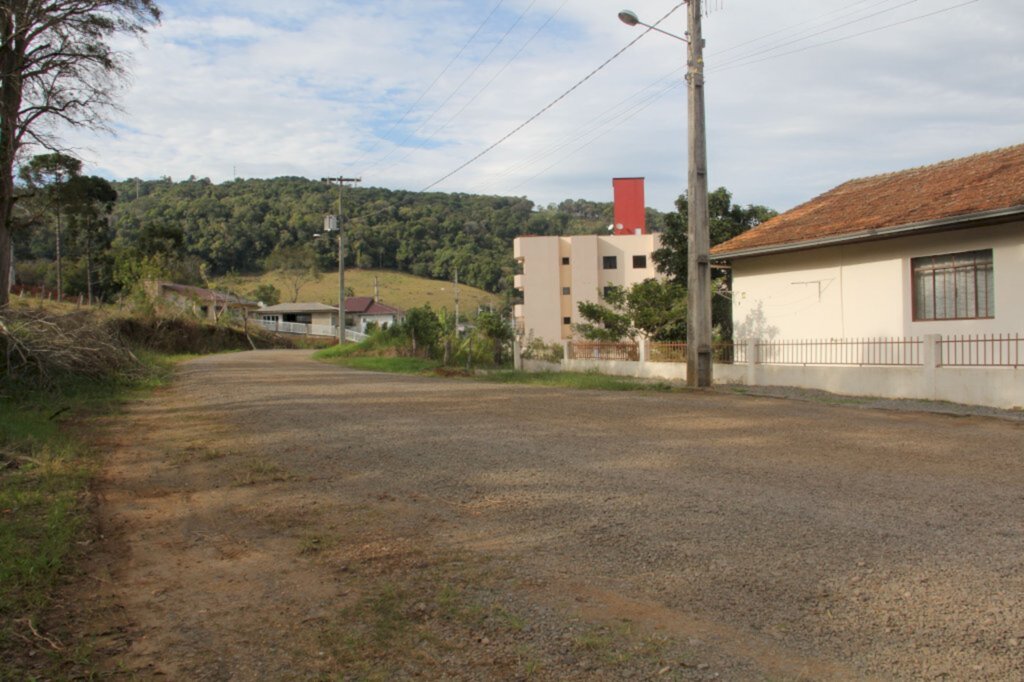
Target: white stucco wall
(864,290)
(544,276)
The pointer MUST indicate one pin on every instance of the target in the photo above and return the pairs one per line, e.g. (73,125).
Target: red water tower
(630,215)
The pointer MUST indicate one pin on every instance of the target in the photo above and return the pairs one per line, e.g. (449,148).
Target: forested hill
(234,226)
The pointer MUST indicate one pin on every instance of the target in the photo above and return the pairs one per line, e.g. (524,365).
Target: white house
(932,250)
(320,319)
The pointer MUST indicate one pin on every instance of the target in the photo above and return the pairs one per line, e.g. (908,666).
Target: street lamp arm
(630,18)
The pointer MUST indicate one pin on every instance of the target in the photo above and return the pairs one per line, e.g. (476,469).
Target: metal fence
(995,350)
(726,353)
(595,350)
(895,352)
(668,352)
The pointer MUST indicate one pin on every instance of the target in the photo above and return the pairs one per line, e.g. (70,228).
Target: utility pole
(456,300)
(341,180)
(698,280)
(376,289)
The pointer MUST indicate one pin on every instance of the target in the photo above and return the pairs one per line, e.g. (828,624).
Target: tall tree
(46,179)
(297,265)
(727,220)
(57,67)
(88,204)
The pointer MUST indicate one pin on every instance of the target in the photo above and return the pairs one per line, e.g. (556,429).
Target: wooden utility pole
(698,282)
(341,180)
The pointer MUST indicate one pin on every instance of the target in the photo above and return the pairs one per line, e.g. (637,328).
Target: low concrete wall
(538,366)
(1001,387)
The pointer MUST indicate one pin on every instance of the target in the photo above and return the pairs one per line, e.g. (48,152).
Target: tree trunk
(88,273)
(10,106)
(60,280)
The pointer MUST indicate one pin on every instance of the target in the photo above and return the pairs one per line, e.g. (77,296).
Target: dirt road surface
(271,517)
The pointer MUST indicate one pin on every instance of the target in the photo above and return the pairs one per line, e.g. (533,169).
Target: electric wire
(555,101)
(431,86)
(611,113)
(454,92)
(794,41)
(600,119)
(842,11)
(731,65)
(610,124)
(500,71)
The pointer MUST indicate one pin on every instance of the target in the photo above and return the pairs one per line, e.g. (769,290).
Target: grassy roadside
(45,472)
(360,356)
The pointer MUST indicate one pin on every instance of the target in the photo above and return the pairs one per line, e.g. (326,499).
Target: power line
(794,41)
(432,83)
(499,72)
(601,121)
(456,91)
(619,119)
(841,10)
(732,65)
(553,102)
(606,118)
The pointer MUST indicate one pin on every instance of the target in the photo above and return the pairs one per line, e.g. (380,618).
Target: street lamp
(698,265)
(630,18)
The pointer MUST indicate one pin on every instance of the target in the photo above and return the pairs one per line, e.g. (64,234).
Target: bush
(536,349)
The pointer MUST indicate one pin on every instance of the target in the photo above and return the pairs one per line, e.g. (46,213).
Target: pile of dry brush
(40,348)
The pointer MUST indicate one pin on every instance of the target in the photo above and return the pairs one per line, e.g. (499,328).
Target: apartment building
(558,273)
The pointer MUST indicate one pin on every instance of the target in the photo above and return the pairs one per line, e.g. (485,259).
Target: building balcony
(517,311)
(517,282)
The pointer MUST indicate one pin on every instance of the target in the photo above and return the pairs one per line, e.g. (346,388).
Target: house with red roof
(932,250)
(205,303)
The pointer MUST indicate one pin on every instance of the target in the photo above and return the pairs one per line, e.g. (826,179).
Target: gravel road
(770,539)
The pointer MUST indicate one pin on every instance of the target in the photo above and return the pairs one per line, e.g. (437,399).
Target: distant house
(319,319)
(203,302)
(932,250)
(362,311)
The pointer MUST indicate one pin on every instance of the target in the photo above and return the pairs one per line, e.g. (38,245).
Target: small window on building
(566,320)
(607,290)
(565,260)
(610,262)
(956,286)
(640,262)
(565,291)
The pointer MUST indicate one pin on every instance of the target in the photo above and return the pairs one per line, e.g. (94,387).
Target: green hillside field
(397,289)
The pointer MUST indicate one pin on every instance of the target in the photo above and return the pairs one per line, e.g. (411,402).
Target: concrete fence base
(1000,387)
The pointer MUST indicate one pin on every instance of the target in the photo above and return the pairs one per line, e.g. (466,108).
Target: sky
(802,95)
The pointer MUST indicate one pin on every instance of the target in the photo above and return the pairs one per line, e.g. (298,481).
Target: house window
(565,291)
(610,262)
(957,286)
(640,262)
(607,290)
(566,320)
(565,260)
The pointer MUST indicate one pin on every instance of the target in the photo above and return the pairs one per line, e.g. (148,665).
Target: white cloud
(308,87)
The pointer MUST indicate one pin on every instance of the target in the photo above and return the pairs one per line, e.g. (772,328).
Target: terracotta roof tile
(961,187)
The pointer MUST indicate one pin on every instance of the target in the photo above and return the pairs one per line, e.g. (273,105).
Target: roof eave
(940,225)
